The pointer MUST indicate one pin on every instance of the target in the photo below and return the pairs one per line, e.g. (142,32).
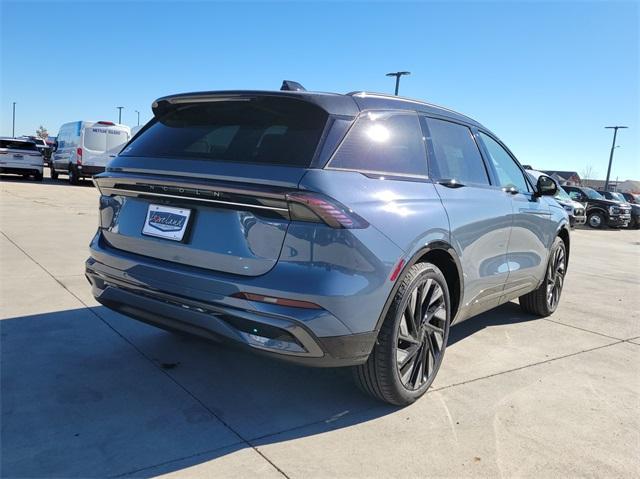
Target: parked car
(316,228)
(631,198)
(576,211)
(600,211)
(622,199)
(20,156)
(42,146)
(83,148)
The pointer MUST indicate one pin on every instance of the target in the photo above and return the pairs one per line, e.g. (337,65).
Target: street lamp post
(138,113)
(397,75)
(613,147)
(13,123)
(119,114)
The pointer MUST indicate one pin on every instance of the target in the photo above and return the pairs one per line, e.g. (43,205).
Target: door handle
(451,183)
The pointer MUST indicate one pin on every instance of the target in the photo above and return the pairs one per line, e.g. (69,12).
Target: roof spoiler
(331,103)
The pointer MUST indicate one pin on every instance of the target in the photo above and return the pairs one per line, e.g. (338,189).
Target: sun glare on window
(378,133)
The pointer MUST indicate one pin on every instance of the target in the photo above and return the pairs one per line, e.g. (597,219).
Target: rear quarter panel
(404,216)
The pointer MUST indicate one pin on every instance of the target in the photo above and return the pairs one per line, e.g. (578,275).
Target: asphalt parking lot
(86,392)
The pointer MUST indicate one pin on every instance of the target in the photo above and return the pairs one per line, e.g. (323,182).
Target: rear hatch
(205,183)
(18,151)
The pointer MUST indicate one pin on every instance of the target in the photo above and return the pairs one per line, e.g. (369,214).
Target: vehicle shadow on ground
(88,392)
(61,181)
(86,395)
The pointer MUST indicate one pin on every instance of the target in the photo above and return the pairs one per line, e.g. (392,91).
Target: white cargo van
(83,148)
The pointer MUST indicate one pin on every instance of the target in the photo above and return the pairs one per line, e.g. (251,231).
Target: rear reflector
(79,158)
(306,206)
(396,271)
(292,303)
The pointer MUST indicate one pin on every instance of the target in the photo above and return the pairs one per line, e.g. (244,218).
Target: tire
(54,173)
(544,300)
(73,175)
(399,341)
(596,220)
(37,176)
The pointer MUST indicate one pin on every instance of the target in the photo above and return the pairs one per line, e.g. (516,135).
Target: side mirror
(546,186)
(55,146)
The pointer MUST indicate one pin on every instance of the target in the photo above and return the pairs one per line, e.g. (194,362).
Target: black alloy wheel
(555,277)
(412,339)
(422,330)
(544,300)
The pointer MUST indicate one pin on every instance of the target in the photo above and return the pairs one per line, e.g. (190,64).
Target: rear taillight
(79,156)
(305,206)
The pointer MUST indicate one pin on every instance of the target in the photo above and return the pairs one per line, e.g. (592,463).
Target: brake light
(109,123)
(292,303)
(305,206)
(79,156)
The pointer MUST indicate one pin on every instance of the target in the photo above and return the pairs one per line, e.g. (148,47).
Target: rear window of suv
(17,145)
(264,130)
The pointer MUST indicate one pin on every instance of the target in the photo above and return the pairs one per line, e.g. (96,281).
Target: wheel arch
(563,233)
(597,209)
(442,255)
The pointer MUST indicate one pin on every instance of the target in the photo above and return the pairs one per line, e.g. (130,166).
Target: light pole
(13,123)
(613,147)
(397,75)
(138,113)
(119,114)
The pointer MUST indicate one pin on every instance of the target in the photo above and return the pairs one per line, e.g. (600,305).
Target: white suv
(21,157)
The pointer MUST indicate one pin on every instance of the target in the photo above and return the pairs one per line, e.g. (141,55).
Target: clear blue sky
(546,77)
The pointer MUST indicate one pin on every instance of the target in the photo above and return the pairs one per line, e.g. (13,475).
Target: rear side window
(17,145)
(264,130)
(456,154)
(69,135)
(383,142)
(509,173)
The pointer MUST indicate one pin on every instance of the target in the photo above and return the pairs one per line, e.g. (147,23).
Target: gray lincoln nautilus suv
(325,229)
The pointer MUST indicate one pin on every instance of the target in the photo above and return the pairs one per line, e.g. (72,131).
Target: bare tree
(42,133)
(588,173)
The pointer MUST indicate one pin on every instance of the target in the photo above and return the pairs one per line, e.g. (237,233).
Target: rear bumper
(312,337)
(20,168)
(277,337)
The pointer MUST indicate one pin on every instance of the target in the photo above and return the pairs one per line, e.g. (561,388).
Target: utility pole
(13,124)
(138,116)
(397,75)
(613,147)
(119,113)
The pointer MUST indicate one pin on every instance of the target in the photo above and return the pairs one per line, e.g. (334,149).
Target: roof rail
(365,94)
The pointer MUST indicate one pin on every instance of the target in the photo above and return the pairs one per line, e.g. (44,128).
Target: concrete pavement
(89,393)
